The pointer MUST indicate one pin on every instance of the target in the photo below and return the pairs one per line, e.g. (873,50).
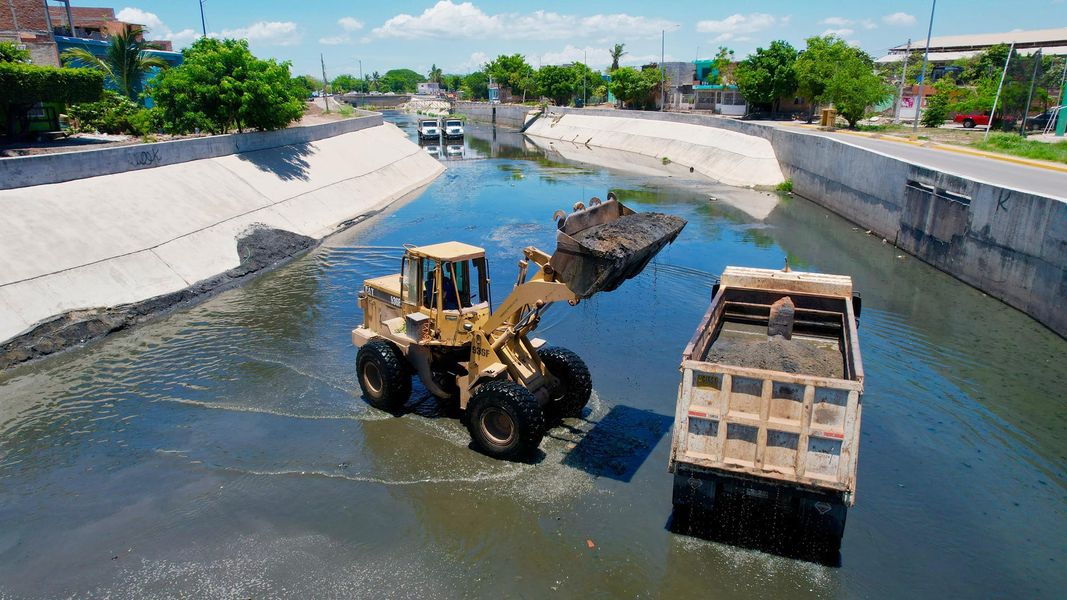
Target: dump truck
(435,320)
(769,403)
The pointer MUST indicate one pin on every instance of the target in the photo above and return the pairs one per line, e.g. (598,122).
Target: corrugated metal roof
(1051,37)
(951,56)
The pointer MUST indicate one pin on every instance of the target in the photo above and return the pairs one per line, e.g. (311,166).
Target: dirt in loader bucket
(599,247)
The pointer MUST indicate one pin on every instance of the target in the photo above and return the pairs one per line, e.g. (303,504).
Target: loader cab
(443,288)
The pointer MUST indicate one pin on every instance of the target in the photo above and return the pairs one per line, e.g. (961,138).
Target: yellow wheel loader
(435,320)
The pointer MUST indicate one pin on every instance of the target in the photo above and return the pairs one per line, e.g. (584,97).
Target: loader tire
(384,375)
(505,421)
(575,384)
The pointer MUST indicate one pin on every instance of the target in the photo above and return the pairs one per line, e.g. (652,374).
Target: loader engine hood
(600,247)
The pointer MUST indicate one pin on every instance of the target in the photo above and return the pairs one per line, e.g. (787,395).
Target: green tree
(938,105)
(509,70)
(347,83)
(307,84)
(767,75)
(401,81)
(452,83)
(11,53)
(556,83)
(890,72)
(830,71)
(476,86)
(125,63)
(723,65)
(617,51)
(221,85)
(636,89)
(376,81)
(435,73)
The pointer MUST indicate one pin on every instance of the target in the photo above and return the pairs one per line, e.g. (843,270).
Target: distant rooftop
(945,48)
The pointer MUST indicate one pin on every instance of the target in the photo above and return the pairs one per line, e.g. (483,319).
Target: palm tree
(616,53)
(435,74)
(125,62)
(375,77)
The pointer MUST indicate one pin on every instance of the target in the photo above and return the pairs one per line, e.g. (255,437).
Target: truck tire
(575,384)
(384,375)
(505,421)
(968,124)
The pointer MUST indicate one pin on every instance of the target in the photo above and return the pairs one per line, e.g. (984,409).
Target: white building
(430,88)
(948,48)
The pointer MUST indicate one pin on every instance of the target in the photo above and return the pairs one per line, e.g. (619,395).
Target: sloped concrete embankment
(731,157)
(1007,242)
(81,258)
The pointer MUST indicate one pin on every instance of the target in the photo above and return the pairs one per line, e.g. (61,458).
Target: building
(47,30)
(429,88)
(945,49)
(697,85)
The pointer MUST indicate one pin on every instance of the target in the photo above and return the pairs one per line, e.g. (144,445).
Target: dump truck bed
(773,410)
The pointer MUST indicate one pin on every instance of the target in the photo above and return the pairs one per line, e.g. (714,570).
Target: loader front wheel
(575,384)
(505,421)
(383,375)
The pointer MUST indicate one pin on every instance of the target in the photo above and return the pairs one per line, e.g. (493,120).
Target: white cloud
(899,19)
(156,29)
(836,21)
(842,33)
(278,33)
(474,62)
(335,40)
(350,24)
(736,26)
(450,20)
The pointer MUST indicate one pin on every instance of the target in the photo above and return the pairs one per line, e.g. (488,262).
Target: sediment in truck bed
(626,235)
(799,356)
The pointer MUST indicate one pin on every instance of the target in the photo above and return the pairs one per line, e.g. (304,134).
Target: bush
(11,53)
(110,115)
(30,84)
(785,186)
(147,121)
(937,109)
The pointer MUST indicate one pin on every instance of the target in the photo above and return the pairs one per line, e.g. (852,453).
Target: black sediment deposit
(629,234)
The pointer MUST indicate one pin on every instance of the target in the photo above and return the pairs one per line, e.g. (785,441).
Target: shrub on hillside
(111,114)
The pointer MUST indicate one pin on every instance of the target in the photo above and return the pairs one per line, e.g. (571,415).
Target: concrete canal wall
(147,238)
(507,115)
(1008,243)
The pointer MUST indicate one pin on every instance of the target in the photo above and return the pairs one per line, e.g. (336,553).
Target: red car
(969,120)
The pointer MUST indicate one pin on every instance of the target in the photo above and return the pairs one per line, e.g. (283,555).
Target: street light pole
(203,22)
(922,82)
(361,81)
(996,100)
(585,69)
(662,53)
(1030,96)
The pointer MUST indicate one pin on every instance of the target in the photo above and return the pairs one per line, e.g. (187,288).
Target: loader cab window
(464,284)
(409,281)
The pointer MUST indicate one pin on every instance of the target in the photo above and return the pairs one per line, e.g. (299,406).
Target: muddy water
(224,451)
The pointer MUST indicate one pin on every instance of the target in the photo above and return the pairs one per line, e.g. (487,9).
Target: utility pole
(203,22)
(361,81)
(585,65)
(662,53)
(325,82)
(1030,96)
(996,100)
(922,82)
(903,77)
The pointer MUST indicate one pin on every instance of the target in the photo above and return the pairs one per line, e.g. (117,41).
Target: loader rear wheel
(575,384)
(505,421)
(384,375)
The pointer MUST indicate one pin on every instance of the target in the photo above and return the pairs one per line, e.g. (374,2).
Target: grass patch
(785,186)
(880,127)
(1009,143)
(346,110)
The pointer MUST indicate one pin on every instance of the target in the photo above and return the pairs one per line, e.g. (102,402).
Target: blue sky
(459,36)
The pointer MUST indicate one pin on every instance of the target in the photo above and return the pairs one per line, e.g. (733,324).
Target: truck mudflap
(590,258)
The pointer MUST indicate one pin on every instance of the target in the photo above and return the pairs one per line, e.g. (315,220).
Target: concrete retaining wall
(1008,243)
(508,115)
(731,157)
(129,236)
(54,168)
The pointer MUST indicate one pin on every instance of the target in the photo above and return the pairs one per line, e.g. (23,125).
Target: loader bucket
(599,247)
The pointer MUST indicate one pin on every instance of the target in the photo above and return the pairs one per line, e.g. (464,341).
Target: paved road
(997,172)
